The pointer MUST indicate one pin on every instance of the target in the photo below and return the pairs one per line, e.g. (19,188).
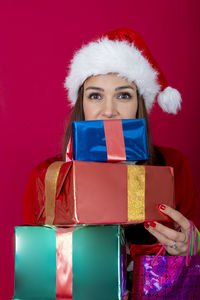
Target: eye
(124,95)
(95,96)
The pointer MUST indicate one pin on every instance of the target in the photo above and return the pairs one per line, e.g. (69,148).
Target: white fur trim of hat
(123,52)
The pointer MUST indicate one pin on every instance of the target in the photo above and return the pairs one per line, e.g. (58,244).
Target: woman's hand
(176,242)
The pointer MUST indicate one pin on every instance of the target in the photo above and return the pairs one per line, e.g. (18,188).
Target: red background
(37,40)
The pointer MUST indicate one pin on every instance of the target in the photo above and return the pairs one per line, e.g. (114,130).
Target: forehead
(107,80)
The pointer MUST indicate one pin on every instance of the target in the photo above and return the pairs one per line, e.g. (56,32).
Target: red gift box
(80,192)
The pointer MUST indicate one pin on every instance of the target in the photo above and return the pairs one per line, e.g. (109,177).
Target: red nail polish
(153,224)
(162,206)
(146,225)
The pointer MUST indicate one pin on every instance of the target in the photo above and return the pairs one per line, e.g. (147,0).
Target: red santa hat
(124,52)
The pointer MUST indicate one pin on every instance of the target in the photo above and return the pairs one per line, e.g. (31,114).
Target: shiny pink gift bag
(168,277)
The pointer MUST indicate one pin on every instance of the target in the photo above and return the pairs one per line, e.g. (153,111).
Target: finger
(168,232)
(162,238)
(181,247)
(177,251)
(175,215)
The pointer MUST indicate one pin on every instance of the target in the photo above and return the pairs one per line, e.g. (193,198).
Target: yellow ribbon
(51,179)
(136,192)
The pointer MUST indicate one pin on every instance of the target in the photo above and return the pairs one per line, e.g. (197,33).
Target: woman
(116,77)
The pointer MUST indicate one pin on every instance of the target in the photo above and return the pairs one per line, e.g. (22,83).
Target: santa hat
(124,52)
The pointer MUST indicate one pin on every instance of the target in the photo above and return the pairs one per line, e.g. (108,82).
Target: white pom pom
(170,100)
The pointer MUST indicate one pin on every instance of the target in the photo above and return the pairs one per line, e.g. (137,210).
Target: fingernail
(146,225)
(162,206)
(153,224)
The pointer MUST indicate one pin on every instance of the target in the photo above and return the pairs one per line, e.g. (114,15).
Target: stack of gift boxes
(78,249)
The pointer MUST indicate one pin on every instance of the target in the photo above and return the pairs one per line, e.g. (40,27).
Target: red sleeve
(186,194)
(30,193)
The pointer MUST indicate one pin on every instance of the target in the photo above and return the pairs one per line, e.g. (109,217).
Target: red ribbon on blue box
(110,140)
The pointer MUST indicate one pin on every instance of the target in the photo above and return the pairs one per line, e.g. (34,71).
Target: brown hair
(77,114)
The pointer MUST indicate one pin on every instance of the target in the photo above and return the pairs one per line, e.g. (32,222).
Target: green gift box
(79,263)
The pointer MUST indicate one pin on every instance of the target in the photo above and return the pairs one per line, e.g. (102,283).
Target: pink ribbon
(69,150)
(64,263)
(114,140)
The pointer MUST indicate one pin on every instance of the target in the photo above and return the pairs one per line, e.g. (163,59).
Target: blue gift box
(89,140)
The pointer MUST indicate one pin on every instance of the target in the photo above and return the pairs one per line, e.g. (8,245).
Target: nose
(109,109)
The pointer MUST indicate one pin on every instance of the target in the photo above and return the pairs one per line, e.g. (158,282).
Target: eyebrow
(94,88)
(124,87)
(117,89)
